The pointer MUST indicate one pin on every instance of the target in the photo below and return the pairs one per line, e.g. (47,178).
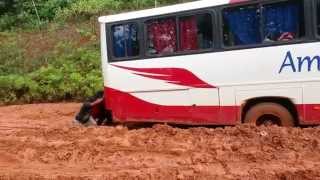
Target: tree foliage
(22,13)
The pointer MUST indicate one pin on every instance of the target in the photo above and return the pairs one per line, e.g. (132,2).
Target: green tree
(8,6)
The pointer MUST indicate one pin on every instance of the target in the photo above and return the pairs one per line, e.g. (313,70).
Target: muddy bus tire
(269,114)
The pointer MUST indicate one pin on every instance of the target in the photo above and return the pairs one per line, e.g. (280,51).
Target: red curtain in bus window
(188,33)
(163,35)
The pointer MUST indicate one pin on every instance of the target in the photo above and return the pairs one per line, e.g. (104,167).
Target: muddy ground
(40,142)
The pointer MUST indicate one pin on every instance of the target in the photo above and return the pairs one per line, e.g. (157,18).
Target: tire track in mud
(40,142)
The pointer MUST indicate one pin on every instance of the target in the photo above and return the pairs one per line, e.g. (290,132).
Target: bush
(88,8)
(11,58)
(73,76)
(16,13)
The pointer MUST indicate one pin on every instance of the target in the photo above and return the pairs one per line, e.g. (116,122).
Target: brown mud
(40,142)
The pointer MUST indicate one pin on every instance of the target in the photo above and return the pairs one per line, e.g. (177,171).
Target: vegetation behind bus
(56,56)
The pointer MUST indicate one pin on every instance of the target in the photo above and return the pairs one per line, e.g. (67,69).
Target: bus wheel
(269,114)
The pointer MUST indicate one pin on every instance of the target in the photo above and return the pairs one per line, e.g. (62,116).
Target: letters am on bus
(298,64)
(213,63)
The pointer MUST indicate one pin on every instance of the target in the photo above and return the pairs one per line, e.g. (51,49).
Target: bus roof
(165,10)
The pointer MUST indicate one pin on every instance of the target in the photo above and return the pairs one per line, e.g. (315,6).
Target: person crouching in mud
(93,113)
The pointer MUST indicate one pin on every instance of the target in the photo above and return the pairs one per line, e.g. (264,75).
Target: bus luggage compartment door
(205,105)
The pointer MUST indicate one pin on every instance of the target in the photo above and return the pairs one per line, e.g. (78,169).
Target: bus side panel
(229,111)
(311,106)
(126,107)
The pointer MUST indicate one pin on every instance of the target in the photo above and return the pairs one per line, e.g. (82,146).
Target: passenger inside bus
(195,32)
(162,36)
(281,22)
(125,40)
(242,25)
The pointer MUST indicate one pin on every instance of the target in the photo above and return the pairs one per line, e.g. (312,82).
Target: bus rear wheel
(269,114)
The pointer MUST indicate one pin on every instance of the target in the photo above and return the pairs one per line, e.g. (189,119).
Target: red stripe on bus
(178,76)
(126,107)
(309,114)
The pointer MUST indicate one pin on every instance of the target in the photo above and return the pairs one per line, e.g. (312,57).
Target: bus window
(125,40)
(241,25)
(283,21)
(162,36)
(195,32)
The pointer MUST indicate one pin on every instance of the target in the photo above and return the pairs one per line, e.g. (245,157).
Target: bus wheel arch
(274,104)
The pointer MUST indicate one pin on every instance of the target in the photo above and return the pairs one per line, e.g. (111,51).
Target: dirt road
(40,142)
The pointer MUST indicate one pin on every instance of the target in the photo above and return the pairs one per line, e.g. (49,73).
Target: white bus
(214,62)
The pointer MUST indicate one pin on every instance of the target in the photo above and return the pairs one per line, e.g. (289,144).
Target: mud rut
(39,142)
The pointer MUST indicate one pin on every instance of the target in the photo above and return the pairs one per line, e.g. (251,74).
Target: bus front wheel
(269,114)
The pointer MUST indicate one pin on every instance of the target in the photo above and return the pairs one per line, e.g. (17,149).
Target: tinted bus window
(241,25)
(125,40)
(283,21)
(161,36)
(195,32)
